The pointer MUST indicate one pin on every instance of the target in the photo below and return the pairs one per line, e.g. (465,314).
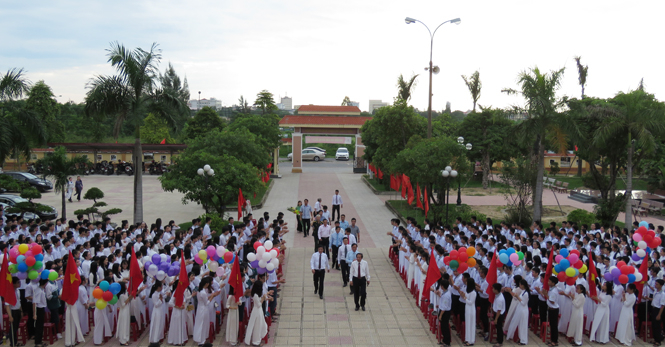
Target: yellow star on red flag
(72,278)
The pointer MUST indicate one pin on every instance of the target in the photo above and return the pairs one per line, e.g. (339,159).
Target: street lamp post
(448,173)
(199,104)
(468,146)
(409,20)
(206,172)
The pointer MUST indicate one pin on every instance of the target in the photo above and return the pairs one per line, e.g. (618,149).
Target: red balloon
(648,239)
(228,256)
(498,262)
(30,261)
(623,279)
(562,276)
(574,251)
(463,256)
(655,243)
(571,281)
(257,244)
(107,296)
(627,270)
(454,255)
(446,260)
(642,230)
(579,264)
(12,258)
(462,250)
(462,267)
(36,249)
(621,264)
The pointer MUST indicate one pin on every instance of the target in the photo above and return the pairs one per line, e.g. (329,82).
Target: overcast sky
(320,51)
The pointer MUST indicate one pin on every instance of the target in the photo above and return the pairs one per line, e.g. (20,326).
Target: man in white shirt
(341,259)
(336,204)
(360,275)
(324,235)
(206,229)
(319,264)
(499,309)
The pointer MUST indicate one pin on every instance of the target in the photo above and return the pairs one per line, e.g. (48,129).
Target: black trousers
(499,328)
(13,332)
(273,304)
(508,298)
(455,304)
(345,271)
(299,221)
(78,194)
(39,323)
(319,276)
(306,225)
(533,304)
(484,305)
(542,308)
(642,313)
(325,242)
(333,260)
(359,291)
(656,324)
(553,317)
(335,208)
(445,327)
(55,318)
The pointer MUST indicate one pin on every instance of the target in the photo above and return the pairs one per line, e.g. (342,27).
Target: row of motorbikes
(107,168)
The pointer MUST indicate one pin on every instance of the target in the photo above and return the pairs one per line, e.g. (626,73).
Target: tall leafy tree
(543,123)
(13,85)
(240,143)
(266,130)
(58,168)
(474,85)
(129,95)
(155,130)
(243,106)
(41,102)
(346,101)
(405,87)
(205,120)
(266,102)
(582,71)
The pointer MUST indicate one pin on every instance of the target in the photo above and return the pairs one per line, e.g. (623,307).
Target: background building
(375,105)
(212,102)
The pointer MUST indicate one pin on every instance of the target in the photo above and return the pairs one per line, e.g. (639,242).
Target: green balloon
(13,268)
(521,255)
(114,300)
(454,264)
(33,274)
(38,265)
(52,276)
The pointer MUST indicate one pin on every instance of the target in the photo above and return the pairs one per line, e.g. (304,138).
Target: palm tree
(639,124)
(474,85)
(129,96)
(404,88)
(543,122)
(13,85)
(59,168)
(582,71)
(266,102)
(346,101)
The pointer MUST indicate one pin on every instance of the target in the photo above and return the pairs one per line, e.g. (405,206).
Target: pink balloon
(197,259)
(573,258)
(211,251)
(558,258)
(14,252)
(220,271)
(517,262)
(514,258)
(637,237)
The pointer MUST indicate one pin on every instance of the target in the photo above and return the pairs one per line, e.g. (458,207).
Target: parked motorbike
(31,169)
(156,168)
(129,169)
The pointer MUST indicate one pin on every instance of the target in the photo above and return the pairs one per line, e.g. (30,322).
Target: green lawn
(250,196)
(405,210)
(376,184)
(576,182)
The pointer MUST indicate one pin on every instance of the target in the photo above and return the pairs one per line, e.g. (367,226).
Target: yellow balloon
(554,272)
(101,304)
(570,272)
(203,255)
(583,269)
(22,248)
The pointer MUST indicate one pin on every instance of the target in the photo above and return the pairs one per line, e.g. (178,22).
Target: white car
(309,154)
(342,153)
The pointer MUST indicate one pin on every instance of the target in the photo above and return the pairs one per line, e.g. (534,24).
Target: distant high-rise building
(354,103)
(447,107)
(287,103)
(375,105)
(194,104)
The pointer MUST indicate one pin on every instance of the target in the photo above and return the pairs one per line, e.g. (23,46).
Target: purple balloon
(254,264)
(261,270)
(616,273)
(635,257)
(22,275)
(164,267)
(147,264)
(271,271)
(156,259)
(608,277)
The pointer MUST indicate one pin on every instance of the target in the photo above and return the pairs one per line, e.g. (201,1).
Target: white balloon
(260,250)
(642,244)
(273,254)
(152,270)
(262,263)
(164,257)
(161,275)
(641,253)
(251,257)
(275,262)
(266,257)
(638,277)
(268,244)
(220,251)
(270,267)
(213,266)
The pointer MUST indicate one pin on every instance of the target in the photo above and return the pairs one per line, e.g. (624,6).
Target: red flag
(645,276)
(183,281)
(71,282)
(241,203)
(380,174)
(433,272)
(491,277)
(426,201)
(418,202)
(267,177)
(548,272)
(6,286)
(392,182)
(269,165)
(255,194)
(406,185)
(163,142)
(591,276)
(235,279)
(135,275)
(576,148)
(398,181)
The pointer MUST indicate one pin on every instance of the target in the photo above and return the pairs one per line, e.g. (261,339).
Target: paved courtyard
(391,319)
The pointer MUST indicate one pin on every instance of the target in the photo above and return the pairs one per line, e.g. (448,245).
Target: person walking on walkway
(319,264)
(349,260)
(70,190)
(336,241)
(306,217)
(359,279)
(341,260)
(324,236)
(336,204)
(79,187)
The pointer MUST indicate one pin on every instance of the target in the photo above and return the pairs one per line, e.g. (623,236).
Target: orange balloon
(471,262)
(97,293)
(471,251)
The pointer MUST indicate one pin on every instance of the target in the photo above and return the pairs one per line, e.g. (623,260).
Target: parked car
(309,154)
(27,215)
(12,200)
(41,184)
(342,153)
(316,149)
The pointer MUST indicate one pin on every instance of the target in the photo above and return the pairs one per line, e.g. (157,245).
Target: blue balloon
(504,258)
(565,263)
(557,268)
(503,251)
(564,252)
(631,278)
(644,224)
(39,257)
(510,263)
(511,250)
(44,275)
(115,288)
(20,259)
(22,267)
(104,286)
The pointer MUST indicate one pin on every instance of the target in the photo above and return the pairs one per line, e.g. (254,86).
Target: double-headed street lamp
(206,172)
(448,173)
(435,69)
(468,146)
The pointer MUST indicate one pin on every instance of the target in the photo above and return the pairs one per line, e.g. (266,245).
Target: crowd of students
(103,252)
(519,291)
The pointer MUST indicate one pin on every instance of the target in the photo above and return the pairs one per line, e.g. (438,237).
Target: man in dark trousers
(359,279)
(79,187)
(319,264)
(336,204)
(341,260)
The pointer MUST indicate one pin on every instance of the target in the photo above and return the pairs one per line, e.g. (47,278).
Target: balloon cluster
(219,256)
(568,266)
(622,274)
(461,259)
(510,257)
(27,261)
(645,240)
(159,267)
(265,258)
(106,293)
